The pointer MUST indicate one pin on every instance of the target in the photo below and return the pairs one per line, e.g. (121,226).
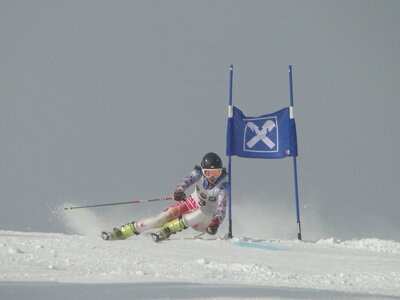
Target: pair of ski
(156,237)
(107,236)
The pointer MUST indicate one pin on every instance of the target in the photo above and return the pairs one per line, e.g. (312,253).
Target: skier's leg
(120,233)
(198,219)
(169,214)
(171,227)
(157,221)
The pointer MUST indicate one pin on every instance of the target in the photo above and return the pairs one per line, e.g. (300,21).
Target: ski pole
(119,203)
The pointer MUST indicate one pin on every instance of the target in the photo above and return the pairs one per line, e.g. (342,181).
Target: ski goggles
(212,172)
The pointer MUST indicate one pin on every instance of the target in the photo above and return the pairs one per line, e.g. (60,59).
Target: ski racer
(203,210)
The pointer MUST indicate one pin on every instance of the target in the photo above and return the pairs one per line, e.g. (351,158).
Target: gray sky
(110,101)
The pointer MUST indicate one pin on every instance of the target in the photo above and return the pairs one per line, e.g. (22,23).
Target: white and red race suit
(207,203)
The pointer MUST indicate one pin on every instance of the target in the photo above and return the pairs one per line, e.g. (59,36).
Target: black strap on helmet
(197,168)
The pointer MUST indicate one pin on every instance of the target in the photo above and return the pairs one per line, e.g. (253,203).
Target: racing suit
(207,203)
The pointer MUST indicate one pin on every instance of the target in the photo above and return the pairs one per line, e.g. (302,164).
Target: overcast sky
(111,101)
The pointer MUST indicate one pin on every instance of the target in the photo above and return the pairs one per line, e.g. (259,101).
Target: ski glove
(213,227)
(179,196)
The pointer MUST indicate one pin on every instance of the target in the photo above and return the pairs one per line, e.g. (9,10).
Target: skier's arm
(222,202)
(188,181)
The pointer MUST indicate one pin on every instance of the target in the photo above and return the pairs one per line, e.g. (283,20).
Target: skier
(203,210)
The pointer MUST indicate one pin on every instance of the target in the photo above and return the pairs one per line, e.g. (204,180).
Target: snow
(38,265)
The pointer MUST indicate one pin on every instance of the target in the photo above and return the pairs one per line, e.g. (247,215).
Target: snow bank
(359,267)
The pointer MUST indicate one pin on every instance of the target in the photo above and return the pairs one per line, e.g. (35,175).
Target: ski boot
(169,228)
(120,233)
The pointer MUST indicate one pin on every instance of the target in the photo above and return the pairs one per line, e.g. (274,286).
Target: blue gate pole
(296,189)
(230,115)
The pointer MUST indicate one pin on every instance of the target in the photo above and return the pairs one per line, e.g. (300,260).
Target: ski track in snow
(274,269)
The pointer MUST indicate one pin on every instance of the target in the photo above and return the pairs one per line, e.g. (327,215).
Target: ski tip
(156,238)
(106,236)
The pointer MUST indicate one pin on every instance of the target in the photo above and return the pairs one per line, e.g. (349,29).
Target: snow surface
(70,266)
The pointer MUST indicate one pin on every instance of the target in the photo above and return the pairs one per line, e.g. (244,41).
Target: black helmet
(211,161)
